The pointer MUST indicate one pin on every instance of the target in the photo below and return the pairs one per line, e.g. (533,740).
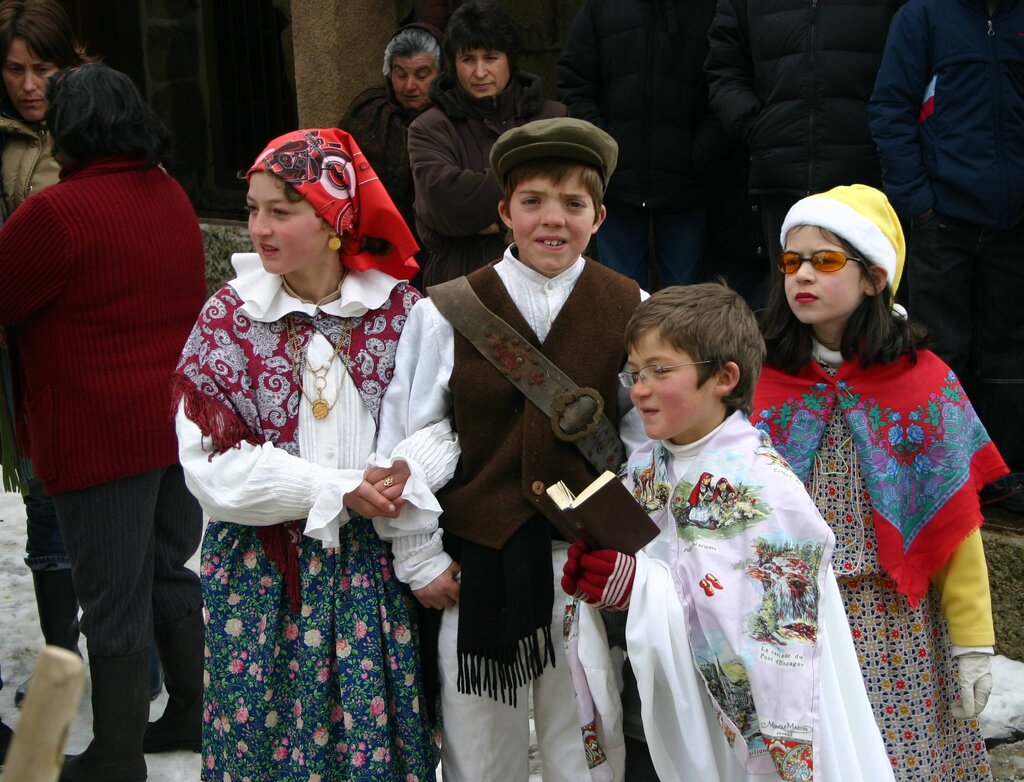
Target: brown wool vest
(509,454)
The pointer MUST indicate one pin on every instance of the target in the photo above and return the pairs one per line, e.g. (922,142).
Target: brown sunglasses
(822,261)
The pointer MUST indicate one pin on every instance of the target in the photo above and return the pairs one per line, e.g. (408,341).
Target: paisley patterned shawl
(922,450)
(237,383)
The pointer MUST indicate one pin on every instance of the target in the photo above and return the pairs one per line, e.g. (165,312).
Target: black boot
(120,707)
(57,605)
(181,651)
(6,737)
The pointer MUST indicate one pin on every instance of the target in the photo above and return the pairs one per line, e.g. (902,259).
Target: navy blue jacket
(947,112)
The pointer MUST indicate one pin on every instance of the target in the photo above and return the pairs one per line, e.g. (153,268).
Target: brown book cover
(604,514)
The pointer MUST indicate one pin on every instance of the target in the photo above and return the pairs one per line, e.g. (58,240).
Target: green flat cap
(561,137)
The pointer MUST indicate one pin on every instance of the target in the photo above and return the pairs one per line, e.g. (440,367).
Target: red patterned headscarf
(327,168)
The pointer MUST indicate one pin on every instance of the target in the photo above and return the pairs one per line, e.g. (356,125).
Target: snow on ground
(20,642)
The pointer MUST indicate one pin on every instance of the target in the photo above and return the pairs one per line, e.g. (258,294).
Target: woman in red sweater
(102,279)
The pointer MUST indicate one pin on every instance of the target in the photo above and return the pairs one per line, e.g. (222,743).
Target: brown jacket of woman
(457,194)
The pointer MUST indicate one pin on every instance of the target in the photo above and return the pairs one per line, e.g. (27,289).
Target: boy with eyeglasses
(736,633)
(519,358)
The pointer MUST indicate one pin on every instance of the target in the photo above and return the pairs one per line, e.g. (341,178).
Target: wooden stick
(37,750)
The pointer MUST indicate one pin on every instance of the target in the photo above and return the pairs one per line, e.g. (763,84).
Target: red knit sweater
(102,277)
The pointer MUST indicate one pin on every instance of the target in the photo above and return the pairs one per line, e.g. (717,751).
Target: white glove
(975,684)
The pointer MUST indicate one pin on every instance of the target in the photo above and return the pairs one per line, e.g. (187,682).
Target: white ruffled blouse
(263,485)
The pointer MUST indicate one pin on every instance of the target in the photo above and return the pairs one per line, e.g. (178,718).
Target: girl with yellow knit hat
(893,454)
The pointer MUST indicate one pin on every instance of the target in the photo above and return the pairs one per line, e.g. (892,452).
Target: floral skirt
(910,675)
(329,693)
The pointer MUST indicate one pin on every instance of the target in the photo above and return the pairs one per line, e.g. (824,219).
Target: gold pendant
(320,409)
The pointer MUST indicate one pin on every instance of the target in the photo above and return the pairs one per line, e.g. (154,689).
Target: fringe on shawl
(227,431)
(961,515)
(501,672)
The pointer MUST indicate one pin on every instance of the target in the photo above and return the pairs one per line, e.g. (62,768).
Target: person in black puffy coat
(791,79)
(634,69)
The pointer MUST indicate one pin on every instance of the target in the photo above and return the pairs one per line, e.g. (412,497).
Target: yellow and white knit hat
(861,216)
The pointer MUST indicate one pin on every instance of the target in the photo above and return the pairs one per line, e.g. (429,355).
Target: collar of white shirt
(265,299)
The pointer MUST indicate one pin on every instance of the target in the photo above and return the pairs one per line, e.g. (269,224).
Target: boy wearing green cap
(520,359)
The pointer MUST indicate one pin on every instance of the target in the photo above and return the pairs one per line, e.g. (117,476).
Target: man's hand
(380,493)
(443,591)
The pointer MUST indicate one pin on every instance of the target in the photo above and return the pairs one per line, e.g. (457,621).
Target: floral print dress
(312,663)
(905,653)
(328,693)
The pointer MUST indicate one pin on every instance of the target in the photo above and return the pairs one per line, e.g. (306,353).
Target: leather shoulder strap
(577,414)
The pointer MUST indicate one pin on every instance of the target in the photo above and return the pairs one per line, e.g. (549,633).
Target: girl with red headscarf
(313,669)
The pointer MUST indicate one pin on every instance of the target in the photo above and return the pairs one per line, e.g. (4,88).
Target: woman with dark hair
(103,276)
(37,41)
(482,94)
(313,654)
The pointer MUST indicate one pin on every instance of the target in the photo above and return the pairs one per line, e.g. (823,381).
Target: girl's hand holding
(380,493)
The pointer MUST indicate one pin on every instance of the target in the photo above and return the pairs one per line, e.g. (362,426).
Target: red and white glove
(602,578)
(571,568)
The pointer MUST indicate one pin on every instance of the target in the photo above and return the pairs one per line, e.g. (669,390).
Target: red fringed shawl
(922,450)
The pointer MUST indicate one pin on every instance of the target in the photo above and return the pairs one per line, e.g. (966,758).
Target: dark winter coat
(457,194)
(791,80)
(947,112)
(380,126)
(635,69)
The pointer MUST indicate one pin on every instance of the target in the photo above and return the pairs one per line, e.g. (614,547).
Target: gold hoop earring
(334,243)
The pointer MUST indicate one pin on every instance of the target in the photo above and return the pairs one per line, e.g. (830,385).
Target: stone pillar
(339,48)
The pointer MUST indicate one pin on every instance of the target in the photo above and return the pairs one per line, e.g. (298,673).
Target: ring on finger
(389,481)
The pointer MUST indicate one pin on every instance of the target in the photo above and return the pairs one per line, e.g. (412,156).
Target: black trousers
(967,286)
(128,541)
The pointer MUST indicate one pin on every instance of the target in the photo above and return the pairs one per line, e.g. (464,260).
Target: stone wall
(1005,554)
(338,51)
(220,240)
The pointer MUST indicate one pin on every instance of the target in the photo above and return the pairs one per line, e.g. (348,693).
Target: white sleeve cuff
(435,449)
(414,536)
(328,513)
(419,559)
(959,650)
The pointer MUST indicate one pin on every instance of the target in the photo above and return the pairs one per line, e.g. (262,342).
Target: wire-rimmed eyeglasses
(656,373)
(822,261)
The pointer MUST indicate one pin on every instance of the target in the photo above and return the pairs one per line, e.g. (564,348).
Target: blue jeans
(622,242)
(967,285)
(44,547)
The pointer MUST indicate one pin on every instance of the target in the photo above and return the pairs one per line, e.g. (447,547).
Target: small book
(604,514)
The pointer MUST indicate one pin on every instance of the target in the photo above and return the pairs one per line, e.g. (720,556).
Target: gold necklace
(299,357)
